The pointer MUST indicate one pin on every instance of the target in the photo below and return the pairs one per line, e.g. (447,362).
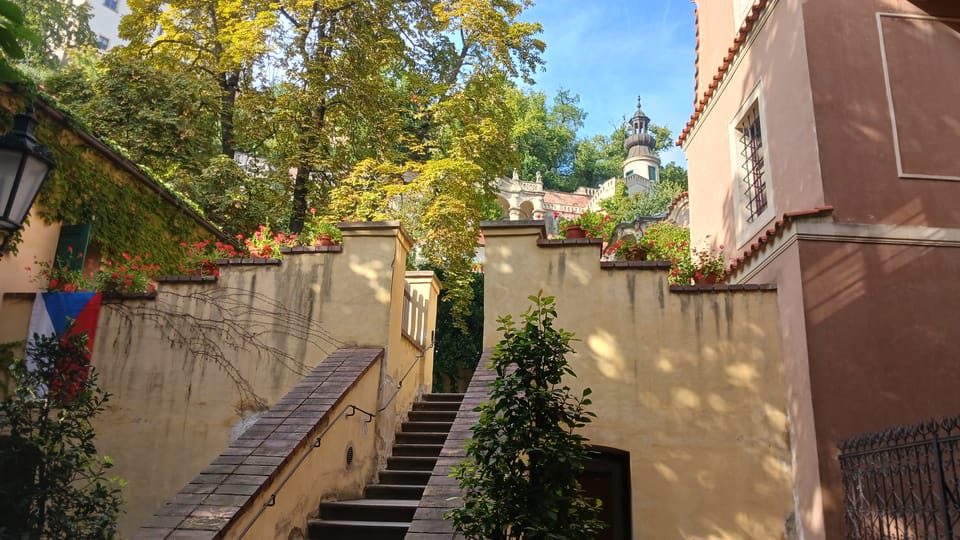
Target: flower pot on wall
(640,255)
(706,279)
(575,231)
(324,240)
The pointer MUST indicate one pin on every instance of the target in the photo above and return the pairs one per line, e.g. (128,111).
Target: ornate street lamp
(24,166)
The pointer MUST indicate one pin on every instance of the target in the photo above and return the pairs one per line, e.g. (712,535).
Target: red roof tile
(570,199)
(700,103)
(774,231)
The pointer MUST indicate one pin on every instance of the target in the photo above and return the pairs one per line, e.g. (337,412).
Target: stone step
(411,463)
(428,427)
(394,510)
(318,529)
(421,438)
(436,406)
(432,416)
(416,478)
(393,491)
(389,506)
(442,397)
(422,450)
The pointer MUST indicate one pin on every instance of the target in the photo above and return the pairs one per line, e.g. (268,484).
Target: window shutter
(76,237)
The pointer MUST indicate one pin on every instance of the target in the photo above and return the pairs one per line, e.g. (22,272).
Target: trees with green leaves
(546,136)
(599,158)
(220,40)
(455,348)
(14,33)
(623,207)
(520,479)
(309,91)
(62,26)
(164,120)
(52,484)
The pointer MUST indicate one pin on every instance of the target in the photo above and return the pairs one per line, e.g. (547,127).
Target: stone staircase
(388,506)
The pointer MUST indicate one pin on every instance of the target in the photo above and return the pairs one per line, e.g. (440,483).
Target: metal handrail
(353,409)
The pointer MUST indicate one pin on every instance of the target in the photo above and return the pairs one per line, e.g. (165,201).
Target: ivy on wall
(87,186)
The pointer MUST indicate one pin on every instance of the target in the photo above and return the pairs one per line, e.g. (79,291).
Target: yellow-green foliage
(126,215)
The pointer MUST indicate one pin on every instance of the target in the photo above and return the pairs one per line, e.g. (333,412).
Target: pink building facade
(823,156)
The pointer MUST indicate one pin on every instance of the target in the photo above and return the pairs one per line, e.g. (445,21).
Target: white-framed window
(111,4)
(752,189)
(753,177)
(651,172)
(103,43)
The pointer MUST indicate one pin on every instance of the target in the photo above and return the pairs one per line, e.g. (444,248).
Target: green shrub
(52,484)
(524,458)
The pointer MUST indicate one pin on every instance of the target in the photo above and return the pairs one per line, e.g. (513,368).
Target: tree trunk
(229,83)
(299,199)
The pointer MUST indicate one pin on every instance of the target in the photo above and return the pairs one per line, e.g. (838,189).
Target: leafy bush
(594,224)
(667,242)
(521,478)
(52,485)
(457,348)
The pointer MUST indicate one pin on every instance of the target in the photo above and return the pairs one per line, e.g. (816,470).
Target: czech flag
(52,312)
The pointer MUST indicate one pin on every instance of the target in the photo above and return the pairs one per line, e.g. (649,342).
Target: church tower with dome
(642,166)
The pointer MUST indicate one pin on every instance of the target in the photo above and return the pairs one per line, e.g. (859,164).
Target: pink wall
(881,325)
(775,61)
(785,272)
(853,114)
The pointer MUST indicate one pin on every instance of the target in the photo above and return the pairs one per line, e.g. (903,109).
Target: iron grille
(751,153)
(902,483)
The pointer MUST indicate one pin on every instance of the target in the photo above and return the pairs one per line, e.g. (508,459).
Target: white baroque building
(521,200)
(105,18)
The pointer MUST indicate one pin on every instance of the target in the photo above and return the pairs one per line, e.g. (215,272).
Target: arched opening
(526,210)
(504,208)
(607,477)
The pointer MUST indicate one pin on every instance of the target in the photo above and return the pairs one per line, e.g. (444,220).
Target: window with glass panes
(753,179)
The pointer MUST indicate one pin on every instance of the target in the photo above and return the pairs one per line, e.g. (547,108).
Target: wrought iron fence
(902,483)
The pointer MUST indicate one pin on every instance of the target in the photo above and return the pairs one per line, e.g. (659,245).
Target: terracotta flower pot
(637,255)
(706,279)
(324,240)
(575,231)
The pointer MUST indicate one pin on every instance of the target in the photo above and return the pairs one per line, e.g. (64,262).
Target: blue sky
(610,51)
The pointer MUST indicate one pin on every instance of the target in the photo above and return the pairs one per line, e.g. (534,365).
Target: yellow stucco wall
(176,399)
(324,473)
(690,384)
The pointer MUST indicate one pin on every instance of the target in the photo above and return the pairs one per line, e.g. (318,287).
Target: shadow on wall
(186,367)
(882,347)
(690,384)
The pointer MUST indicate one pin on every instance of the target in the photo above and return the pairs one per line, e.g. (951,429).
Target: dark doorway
(607,477)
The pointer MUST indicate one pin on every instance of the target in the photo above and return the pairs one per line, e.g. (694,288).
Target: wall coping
(185,279)
(562,242)
(214,500)
(623,265)
(722,287)
(296,250)
(250,261)
(514,228)
(103,295)
(416,277)
(375,228)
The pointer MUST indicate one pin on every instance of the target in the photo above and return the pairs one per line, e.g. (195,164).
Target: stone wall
(688,380)
(191,369)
